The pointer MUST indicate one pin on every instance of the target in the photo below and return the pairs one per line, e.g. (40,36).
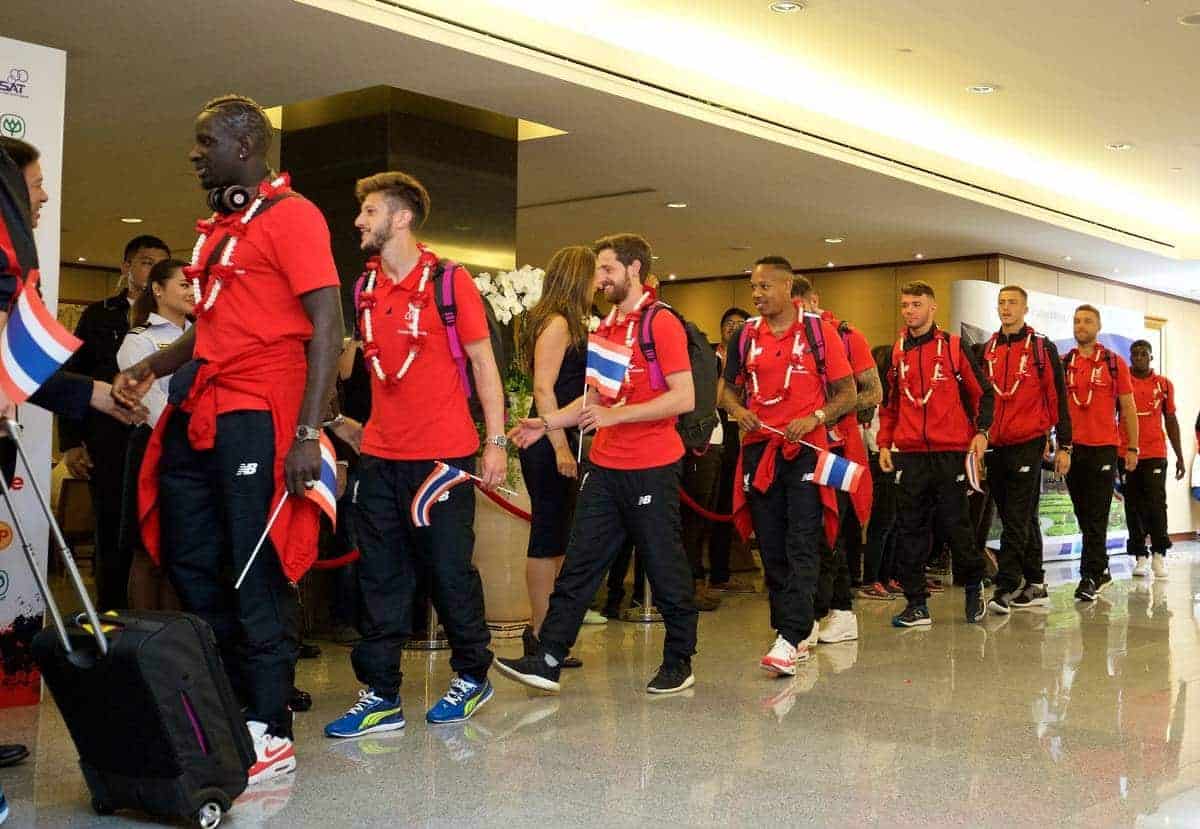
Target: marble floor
(1073,715)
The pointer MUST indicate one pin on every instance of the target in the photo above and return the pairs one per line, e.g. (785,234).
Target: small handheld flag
(837,472)
(441,480)
(972,469)
(33,345)
(607,363)
(323,491)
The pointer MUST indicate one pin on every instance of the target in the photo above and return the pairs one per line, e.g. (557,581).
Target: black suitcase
(145,698)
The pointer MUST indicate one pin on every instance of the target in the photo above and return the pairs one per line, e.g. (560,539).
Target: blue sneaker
(370,715)
(464,698)
(3,807)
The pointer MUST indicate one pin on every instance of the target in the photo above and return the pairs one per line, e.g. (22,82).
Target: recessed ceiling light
(1119,146)
(1190,19)
(918,256)
(786,6)
(834,240)
(81,259)
(462,227)
(676,205)
(904,50)
(131,220)
(829,264)
(983,88)
(739,247)
(1176,169)
(671,276)
(655,258)
(1066,258)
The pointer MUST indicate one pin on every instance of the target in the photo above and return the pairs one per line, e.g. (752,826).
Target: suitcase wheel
(209,815)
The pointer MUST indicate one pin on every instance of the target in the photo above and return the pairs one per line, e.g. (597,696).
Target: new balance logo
(1023,469)
(246,469)
(961,477)
(1106,468)
(445,496)
(1158,472)
(644,500)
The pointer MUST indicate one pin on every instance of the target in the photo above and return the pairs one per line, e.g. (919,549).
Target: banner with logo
(974,307)
(33,83)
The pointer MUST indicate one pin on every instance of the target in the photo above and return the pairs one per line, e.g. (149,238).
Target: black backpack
(695,427)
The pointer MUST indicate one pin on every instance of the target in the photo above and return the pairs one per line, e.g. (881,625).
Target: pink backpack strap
(448,311)
(646,342)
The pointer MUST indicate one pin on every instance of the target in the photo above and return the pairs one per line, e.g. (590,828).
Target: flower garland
(795,360)
(366,306)
(1093,375)
(991,363)
(235,227)
(906,367)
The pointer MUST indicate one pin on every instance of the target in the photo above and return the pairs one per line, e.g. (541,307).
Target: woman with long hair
(555,339)
(158,318)
(881,540)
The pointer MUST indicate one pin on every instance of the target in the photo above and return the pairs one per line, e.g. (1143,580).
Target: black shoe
(571,662)
(531,670)
(1103,581)
(1087,590)
(309,650)
(915,615)
(528,640)
(1001,601)
(300,700)
(1034,595)
(12,753)
(975,608)
(672,677)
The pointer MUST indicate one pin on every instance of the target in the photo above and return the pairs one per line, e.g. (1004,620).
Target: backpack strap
(1039,353)
(443,297)
(646,343)
(814,332)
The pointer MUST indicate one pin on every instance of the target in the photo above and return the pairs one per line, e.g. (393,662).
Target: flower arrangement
(513,293)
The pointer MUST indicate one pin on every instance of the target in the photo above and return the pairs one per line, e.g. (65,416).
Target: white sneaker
(275,756)
(815,636)
(1141,567)
(594,618)
(1159,565)
(782,658)
(840,626)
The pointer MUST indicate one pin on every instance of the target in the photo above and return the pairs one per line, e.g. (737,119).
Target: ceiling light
(671,276)
(904,50)
(655,258)
(982,88)
(834,240)
(1066,258)
(918,256)
(1119,146)
(1176,169)
(676,205)
(1190,19)
(739,247)
(829,264)
(786,6)
(131,220)
(81,259)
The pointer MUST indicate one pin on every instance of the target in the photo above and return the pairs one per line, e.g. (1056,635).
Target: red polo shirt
(424,415)
(806,393)
(858,353)
(1154,397)
(1092,396)
(285,253)
(649,443)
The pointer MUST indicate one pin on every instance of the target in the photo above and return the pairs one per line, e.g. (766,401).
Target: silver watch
(820,415)
(304,433)
(499,440)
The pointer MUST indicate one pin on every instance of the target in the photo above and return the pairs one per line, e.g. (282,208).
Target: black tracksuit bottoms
(1090,482)
(1146,507)
(1015,481)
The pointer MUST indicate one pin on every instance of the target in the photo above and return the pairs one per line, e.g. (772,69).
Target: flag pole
(579,448)
(261,539)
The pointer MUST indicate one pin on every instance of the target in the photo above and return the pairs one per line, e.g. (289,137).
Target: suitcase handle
(14,434)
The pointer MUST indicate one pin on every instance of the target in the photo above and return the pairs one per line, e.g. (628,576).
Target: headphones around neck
(227,200)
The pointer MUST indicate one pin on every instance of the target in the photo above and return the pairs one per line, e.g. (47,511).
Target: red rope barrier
(508,507)
(335,563)
(687,501)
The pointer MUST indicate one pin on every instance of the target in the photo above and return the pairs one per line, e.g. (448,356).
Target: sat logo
(16,83)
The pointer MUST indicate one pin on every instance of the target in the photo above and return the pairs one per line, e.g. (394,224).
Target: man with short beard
(630,486)
(245,431)
(419,416)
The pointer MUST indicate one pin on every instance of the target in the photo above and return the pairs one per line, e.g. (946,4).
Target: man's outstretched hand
(131,385)
(104,399)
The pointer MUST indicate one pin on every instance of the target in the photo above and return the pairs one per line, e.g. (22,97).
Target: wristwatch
(1132,449)
(304,433)
(819,414)
(498,440)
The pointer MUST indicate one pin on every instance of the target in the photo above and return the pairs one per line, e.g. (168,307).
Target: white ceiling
(137,72)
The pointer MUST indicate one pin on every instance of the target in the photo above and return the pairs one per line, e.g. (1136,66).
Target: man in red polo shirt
(835,602)
(1146,484)
(1026,378)
(244,433)
(771,361)
(935,421)
(630,487)
(1099,390)
(419,415)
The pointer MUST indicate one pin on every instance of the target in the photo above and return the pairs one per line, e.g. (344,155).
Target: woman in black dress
(555,340)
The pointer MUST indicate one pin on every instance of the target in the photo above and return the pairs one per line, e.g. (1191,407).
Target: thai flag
(607,363)
(33,345)
(838,472)
(441,480)
(973,473)
(323,492)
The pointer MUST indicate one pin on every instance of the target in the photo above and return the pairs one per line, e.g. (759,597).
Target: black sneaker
(1103,581)
(531,670)
(1034,595)
(1087,590)
(915,615)
(975,607)
(1001,601)
(672,677)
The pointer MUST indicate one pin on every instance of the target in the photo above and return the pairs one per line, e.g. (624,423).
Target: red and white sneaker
(274,756)
(781,660)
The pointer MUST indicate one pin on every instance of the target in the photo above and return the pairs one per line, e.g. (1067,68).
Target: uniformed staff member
(96,448)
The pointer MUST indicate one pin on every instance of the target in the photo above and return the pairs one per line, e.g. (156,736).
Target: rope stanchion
(687,501)
(507,506)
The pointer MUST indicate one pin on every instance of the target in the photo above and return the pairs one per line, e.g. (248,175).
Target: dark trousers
(613,505)
(833,578)
(720,541)
(790,530)
(214,506)
(881,537)
(931,500)
(1090,482)
(393,553)
(107,444)
(1146,507)
(700,477)
(1015,480)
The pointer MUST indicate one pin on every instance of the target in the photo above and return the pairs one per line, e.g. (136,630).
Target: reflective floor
(1071,715)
